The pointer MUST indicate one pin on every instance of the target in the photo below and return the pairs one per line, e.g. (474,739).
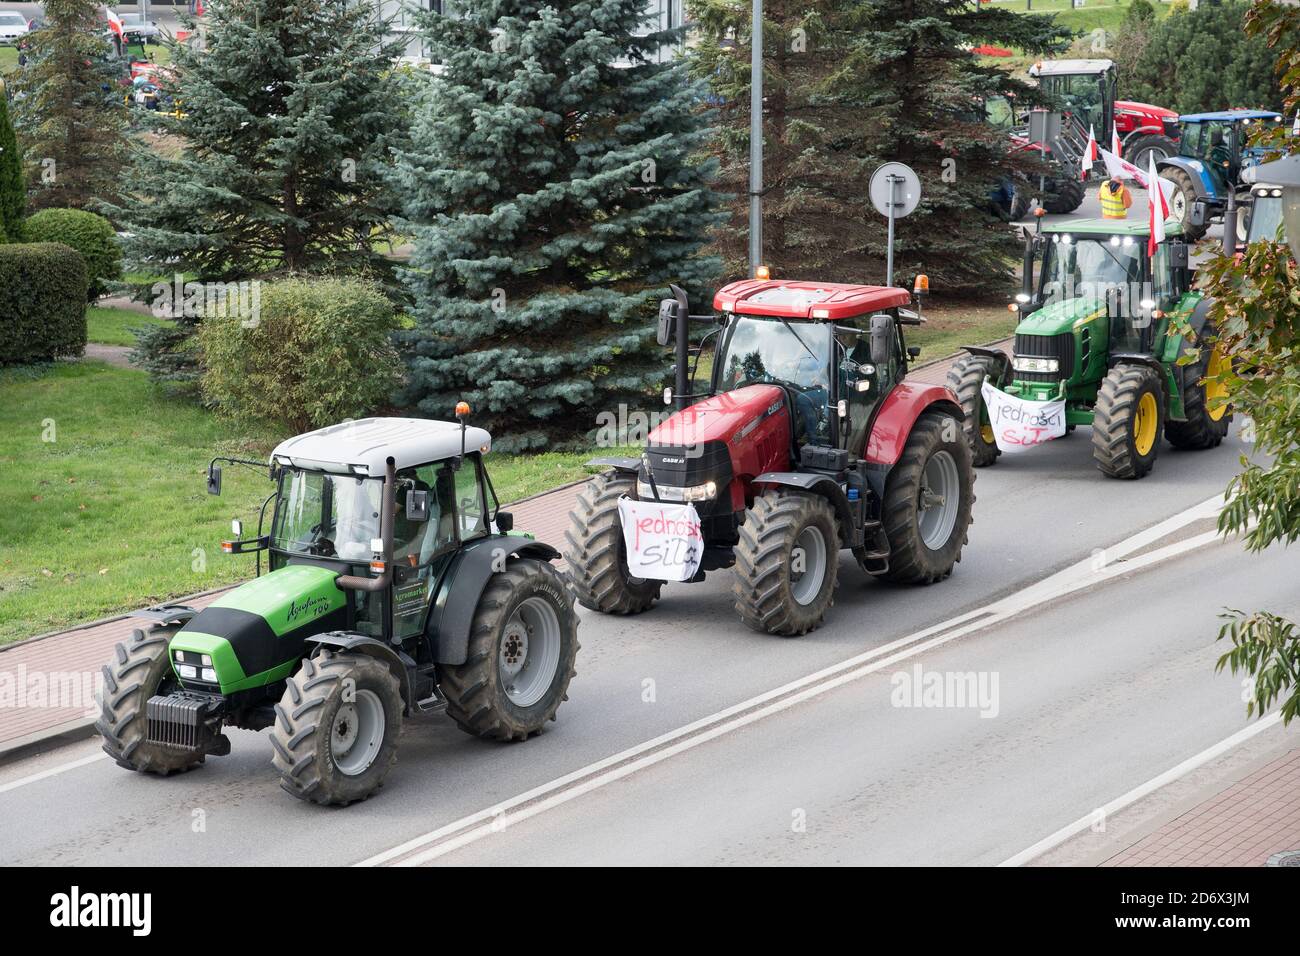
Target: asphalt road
(1098,693)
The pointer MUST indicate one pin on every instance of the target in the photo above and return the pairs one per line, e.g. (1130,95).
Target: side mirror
(1178,255)
(882,338)
(667,321)
(417,505)
(505,522)
(214,479)
(237,528)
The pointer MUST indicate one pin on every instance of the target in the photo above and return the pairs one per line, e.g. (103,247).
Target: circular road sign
(895,183)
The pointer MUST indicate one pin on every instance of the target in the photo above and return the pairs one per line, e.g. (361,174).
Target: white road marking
(1083,574)
(52,772)
(1137,793)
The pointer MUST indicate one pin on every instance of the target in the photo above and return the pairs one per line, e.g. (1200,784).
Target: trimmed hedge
(89,234)
(42,302)
(300,353)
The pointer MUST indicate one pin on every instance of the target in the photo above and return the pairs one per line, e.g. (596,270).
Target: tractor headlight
(1024,363)
(209,675)
(187,671)
(705,492)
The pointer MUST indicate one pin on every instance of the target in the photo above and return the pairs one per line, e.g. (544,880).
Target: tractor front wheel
(1063,195)
(522,645)
(1207,415)
(140,669)
(1142,149)
(787,561)
(336,728)
(966,379)
(928,500)
(1180,206)
(1127,421)
(596,554)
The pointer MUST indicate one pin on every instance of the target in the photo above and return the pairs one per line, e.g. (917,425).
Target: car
(137,27)
(13,26)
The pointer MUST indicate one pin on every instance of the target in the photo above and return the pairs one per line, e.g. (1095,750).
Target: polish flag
(1089,155)
(1157,208)
(115,23)
(1115,146)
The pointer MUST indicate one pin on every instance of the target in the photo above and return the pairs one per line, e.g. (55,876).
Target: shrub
(13,191)
(309,352)
(89,234)
(42,302)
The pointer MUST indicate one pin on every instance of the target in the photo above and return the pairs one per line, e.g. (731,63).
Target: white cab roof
(1057,67)
(366,445)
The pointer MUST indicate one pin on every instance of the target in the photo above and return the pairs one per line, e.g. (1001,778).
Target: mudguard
(166,613)
(898,413)
(1002,361)
(453,609)
(618,463)
(355,643)
(1203,189)
(816,484)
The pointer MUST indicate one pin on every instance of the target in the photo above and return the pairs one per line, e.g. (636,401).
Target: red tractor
(809,440)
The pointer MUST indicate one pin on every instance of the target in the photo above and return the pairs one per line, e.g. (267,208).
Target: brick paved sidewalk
(76,655)
(1243,825)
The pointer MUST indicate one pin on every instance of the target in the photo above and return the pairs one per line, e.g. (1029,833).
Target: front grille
(175,720)
(677,466)
(1059,347)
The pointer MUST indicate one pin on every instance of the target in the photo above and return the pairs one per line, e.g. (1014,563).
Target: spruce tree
(12,190)
(552,190)
(851,84)
(68,109)
(287,116)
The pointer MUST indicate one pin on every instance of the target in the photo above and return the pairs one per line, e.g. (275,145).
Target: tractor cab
(1265,223)
(1084,89)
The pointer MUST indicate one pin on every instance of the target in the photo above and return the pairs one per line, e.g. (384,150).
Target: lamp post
(756,139)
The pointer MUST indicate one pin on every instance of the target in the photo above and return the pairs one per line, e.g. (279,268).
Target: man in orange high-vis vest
(1115,199)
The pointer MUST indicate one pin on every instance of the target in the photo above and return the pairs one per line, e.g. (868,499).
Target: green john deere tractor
(1102,329)
(394,586)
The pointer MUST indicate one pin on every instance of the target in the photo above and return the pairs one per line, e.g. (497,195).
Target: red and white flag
(1157,207)
(1089,155)
(1115,146)
(115,23)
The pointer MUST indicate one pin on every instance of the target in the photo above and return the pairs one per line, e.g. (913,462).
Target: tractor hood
(1156,112)
(1058,317)
(725,417)
(254,634)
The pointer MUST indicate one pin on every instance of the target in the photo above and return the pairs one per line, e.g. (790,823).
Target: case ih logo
(75,909)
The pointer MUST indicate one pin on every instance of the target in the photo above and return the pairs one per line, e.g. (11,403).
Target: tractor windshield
(332,516)
(1090,267)
(759,350)
(1265,219)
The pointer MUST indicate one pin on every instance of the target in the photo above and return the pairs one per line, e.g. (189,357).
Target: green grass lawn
(111,326)
(112,514)
(949,326)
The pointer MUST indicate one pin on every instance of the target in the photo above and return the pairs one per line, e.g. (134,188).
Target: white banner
(663,540)
(1020,423)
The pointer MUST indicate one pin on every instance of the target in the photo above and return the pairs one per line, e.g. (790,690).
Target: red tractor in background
(809,440)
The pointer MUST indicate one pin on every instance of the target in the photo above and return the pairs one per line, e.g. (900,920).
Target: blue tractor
(1211,156)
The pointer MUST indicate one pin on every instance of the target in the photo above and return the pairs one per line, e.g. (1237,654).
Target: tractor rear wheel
(140,669)
(928,500)
(1140,151)
(966,378)
(1205,426)
(1063,195)
(522,645)
(596,554)
(787,561)
(1182,201)
(1127,421)
(336,727)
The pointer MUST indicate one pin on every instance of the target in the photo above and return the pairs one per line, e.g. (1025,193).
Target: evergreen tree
(1202,59)
(286,119)
(68,108)
(12,190)
(553,194)
(848,85)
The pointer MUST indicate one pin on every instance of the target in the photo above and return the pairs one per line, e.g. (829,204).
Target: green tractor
(1101,329)
(394,586)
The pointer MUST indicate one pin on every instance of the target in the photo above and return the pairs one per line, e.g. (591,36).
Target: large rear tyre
(787,561)
(1207,416)
(928,500)
(966,378)
(140,669)
(596,554)
(1141,150)
(1063,195)
(523,642)
(1180,205)
(1127,421)
(336,727)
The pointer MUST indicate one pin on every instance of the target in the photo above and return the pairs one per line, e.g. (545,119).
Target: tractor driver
(811,392)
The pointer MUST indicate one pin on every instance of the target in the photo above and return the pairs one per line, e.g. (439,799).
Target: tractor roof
(1229,116)
(1069,67)
(806,300)
(364,446)
(1111,227)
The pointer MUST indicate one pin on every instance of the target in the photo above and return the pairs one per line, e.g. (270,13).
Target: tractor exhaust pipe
(681,379)
(386,511)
